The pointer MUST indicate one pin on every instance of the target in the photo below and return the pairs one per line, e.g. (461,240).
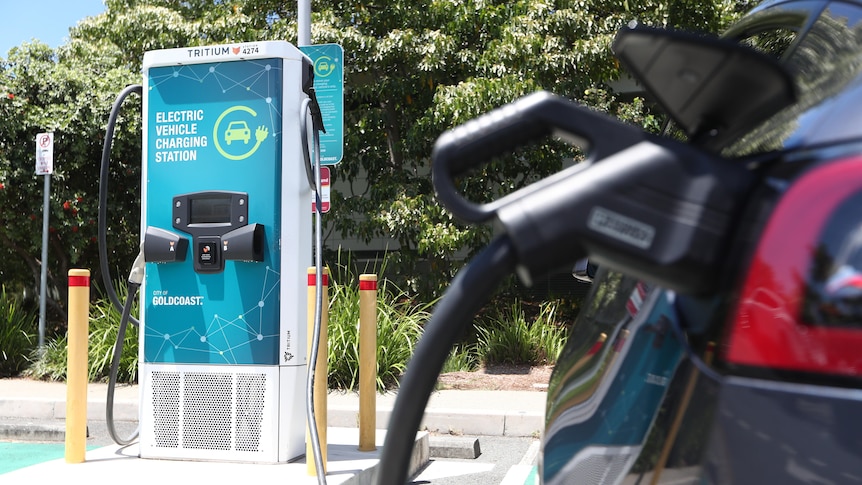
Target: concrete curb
(56,409)
(455,421)
(455,447)
(472,413)
(444,421)
(517,424)
(42,419)
(32,431)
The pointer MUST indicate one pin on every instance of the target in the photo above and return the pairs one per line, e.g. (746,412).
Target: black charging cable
(115,366)
(135,278)
(103,197)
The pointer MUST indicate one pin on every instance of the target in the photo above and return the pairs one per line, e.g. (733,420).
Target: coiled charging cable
(135,277)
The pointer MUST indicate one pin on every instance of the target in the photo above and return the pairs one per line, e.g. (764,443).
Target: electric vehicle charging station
(226,236)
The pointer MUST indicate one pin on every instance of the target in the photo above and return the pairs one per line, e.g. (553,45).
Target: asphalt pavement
(508,422)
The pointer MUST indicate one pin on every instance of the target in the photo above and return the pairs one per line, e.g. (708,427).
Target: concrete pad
(345,465)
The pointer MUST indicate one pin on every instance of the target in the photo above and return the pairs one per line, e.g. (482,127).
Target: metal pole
(303,21)
(43,284)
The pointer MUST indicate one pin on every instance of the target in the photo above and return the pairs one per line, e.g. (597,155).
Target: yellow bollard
(321,370)
(367,361)
(76,366)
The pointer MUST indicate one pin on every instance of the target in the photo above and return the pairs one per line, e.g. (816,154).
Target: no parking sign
(44,154)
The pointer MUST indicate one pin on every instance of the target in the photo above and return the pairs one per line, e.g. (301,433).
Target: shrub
(18,334)
(50,362)
(510,338)
(104,326)
(399,326)
(103,329)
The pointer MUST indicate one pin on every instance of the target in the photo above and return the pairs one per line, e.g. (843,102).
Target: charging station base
(222,413)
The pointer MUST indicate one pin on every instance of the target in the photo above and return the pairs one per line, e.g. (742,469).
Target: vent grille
(166,408)
(250,393)
(209,411)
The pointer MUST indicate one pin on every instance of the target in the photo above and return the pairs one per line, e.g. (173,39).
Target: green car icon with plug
(237,130)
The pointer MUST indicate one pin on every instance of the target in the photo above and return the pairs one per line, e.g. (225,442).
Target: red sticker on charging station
(325,180)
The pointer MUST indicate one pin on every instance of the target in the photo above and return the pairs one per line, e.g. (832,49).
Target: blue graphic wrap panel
(214,127)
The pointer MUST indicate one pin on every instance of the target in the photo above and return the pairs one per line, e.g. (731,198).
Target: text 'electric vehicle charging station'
(227,242)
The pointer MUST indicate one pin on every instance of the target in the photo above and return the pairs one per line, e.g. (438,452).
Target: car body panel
(775,432)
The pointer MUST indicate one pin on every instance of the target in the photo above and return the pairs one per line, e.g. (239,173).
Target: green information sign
(328,62)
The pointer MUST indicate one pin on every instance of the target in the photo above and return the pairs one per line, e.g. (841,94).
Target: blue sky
(46,20)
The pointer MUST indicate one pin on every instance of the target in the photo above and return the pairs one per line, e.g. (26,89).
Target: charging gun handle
(526,120)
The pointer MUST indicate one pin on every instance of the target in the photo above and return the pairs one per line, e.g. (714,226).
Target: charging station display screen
(209,210)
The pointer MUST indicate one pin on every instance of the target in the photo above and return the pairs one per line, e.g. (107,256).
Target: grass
(512,336)
(509,337)
(462,357)
(18,334)
(104,326)
(399,326)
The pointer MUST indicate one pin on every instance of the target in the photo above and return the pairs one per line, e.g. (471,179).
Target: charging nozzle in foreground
(659,208)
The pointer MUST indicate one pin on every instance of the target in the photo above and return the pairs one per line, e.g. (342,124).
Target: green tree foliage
(58,91)
(412,70)
(415,70)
